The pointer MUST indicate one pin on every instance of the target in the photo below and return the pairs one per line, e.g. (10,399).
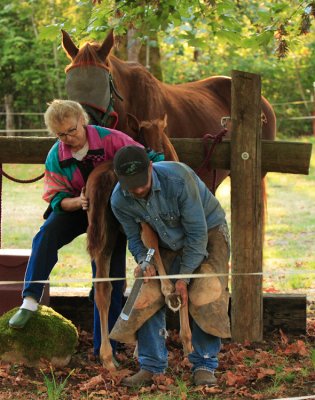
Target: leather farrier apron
(208,296)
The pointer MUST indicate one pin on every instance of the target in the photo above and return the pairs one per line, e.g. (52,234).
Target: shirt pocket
(170,219)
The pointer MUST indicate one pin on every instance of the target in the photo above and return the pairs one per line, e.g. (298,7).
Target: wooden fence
(247,157)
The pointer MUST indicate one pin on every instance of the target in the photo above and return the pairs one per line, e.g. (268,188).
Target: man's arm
(195,226)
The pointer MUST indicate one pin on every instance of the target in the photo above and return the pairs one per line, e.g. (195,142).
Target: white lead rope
(177,276)
(297,398)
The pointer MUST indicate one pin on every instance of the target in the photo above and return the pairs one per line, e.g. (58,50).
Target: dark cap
(131,164)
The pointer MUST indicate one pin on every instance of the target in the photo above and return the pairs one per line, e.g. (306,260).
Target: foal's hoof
(173,302)
(110,364)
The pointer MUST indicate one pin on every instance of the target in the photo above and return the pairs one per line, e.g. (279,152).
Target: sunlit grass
(289,240)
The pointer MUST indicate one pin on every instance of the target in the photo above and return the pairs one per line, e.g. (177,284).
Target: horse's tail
(101,219)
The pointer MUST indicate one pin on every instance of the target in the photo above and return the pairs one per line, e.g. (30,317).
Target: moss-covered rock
(47,336)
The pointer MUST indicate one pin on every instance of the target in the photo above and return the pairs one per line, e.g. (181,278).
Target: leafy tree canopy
(244,24)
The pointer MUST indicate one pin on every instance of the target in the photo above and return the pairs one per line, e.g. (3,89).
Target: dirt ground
(279,367)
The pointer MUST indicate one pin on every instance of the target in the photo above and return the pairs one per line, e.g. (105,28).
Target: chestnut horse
(103,229)
(109,87)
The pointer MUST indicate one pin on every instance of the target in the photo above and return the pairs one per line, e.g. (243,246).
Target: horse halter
(84,85)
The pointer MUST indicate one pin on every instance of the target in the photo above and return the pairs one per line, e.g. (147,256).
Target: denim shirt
(180,208)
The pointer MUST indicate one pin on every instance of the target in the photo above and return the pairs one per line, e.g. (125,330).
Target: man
(188,219)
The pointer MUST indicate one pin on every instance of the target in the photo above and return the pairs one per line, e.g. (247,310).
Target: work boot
(204,377)
(141,378)
(20,318)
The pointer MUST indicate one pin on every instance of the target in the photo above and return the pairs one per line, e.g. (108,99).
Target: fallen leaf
(96,380)
(297,347)
(284,338)
(234,379)
(263,372)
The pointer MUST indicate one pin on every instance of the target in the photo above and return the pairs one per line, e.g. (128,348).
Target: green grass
(290,227)
(55,390)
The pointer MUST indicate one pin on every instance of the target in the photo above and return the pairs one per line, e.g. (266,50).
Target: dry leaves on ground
(279,367)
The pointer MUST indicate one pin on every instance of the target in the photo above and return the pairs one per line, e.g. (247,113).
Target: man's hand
(149,271)
(181,290)
(84,200)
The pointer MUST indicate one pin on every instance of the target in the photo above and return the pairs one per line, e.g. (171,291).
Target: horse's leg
(150,240)
(103,292)
(101,237)
(185,331)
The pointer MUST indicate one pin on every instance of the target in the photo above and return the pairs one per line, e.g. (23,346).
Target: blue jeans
(57,231)
(153,353)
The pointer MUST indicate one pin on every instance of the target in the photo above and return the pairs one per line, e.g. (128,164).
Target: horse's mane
(87,55)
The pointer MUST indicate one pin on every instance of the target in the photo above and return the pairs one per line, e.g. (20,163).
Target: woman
(80,148)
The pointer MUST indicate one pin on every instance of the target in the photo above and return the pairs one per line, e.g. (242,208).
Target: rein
(204,167)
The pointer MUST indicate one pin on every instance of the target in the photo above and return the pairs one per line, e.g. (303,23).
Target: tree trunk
(128,48)
(150,57)
(9,122)
(133,46)
(56,62)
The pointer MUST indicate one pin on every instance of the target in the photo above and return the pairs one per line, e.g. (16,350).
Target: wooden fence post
(246,207)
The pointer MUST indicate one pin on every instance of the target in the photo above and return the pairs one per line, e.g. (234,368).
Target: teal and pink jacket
(65,176)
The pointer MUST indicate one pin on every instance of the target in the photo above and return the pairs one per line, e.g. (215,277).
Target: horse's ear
(133,126)
(106,46)
(68,45)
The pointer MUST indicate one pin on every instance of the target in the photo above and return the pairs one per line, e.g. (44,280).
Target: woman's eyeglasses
(70,132)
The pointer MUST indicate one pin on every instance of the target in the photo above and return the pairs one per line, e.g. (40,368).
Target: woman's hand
(84,200)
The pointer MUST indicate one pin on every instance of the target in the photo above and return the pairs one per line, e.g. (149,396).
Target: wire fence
(294,118)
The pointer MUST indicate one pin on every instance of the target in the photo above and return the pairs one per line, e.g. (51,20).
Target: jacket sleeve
(56,185)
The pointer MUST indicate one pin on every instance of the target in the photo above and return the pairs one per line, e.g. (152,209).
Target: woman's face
(72,132)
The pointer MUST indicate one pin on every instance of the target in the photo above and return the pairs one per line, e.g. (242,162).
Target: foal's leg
(185,331)
(150,240)
(173,301)
(103,292)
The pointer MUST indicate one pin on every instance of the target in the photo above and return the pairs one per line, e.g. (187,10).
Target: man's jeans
(57,231)
(153,352)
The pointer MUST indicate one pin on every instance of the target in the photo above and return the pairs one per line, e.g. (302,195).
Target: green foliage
(246,24)
(27,66)
(55,390)
(197,39)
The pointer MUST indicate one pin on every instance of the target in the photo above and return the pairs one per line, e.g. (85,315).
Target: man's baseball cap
(131,165)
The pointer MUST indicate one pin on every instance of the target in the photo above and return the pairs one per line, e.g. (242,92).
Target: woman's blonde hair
(59,110)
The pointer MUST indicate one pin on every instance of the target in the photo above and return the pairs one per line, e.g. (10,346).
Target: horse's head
(152,134)
(88,78)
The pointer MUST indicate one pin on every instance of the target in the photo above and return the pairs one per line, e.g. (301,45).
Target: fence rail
(279,156)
